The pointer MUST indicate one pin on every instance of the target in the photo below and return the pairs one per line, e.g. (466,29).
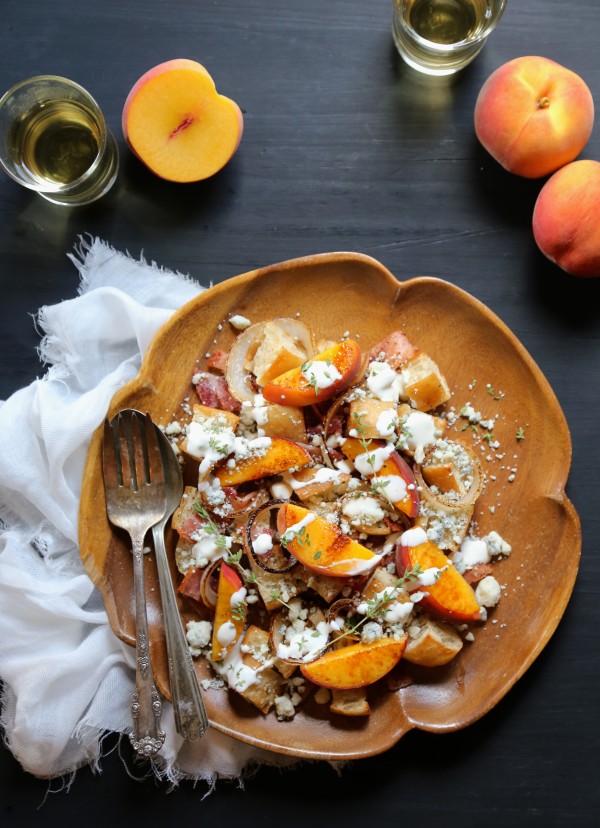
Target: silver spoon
(191,720)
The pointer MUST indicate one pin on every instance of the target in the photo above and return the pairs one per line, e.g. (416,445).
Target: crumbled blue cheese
(239,322)
(488,592)
(199,636)
(320,373)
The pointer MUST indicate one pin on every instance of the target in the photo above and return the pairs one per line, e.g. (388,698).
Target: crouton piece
(186,510)
(205,412)
(324,585)
(425,385)
(434,644)
(363,418)
(257,654)
(350,702)
(276,354)
(268,583)
(283,421)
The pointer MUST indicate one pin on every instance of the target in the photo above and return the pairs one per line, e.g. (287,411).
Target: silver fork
(134,481)
(190,715)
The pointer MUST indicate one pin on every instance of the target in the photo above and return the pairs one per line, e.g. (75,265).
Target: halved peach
(395,464)
(357,665)
(320,545)
(280,456)
(320,378)
(450,597)
(229,620)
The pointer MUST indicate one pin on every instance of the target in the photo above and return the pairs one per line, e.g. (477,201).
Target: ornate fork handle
(146,737)
(190,715)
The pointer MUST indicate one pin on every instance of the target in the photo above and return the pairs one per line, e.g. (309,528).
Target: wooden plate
(334,293)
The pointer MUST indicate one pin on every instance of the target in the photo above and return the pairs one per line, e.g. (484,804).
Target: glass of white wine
(440,37)
(54,140)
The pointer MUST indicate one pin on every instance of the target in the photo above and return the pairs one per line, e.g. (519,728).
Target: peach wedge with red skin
(293,388)
(450,597)
(533,116)
(280,456)
(321,546)
(229,583)
(175,121)
(357,665)
(394,465)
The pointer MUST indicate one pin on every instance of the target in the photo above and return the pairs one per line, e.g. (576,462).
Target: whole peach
(534,115)
(566,218)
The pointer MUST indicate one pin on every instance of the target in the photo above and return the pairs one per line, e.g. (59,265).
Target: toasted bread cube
(256,652)
(205,412)
(186,509)
(324,585)
(283,421)
(350,702)
(447,532)
(381,580)
(269,583)
(276,354)
(363,416)
(435,644)
(425,385)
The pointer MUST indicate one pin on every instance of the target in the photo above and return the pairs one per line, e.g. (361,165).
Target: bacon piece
(395,349)
(212,391)
(190,585)
(477,573)
(190,525)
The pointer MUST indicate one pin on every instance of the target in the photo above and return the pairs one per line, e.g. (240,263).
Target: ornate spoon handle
(146,736)
(191,720)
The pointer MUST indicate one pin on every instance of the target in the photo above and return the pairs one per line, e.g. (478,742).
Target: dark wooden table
(344,149)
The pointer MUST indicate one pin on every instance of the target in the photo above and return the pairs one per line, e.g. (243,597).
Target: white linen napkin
(67,678)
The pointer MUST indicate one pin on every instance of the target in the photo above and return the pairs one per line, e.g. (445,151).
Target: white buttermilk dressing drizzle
(371,461)
(387,422)
(208,546)
(366,508)
(393,487)
(353,566)
(238,597)
(473,552)
(384,383)
(320,373)
(226,634)
(262,544)
(419,432)
(413,537)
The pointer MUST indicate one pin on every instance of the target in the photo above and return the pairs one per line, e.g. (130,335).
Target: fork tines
(135,459)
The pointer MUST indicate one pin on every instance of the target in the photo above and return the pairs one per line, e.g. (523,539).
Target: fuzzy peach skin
(566,218)
(533,116)
(175,121)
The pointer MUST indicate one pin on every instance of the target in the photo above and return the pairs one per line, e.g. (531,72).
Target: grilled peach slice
(450,597)
(320,545)
(382,476)
(229,614)
(357,665)
(281,455)
(320,378)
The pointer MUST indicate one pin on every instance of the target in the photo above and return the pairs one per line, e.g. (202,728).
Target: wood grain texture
(344,149)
